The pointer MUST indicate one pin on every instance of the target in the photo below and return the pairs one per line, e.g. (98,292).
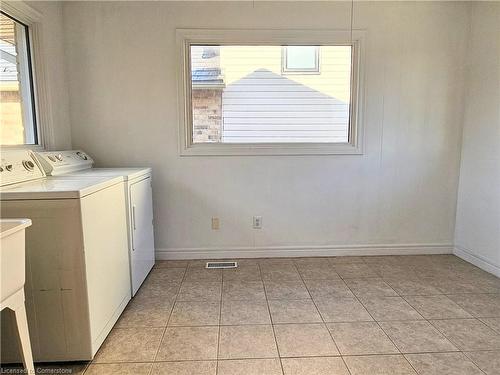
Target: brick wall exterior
(207,115)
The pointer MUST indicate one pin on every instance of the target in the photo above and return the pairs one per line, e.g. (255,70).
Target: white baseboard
(302,251)
(476,260)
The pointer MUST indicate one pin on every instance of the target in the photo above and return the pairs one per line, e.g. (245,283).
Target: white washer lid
(57,188)
(126,173)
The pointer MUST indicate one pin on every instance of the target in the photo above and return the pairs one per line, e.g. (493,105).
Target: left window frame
(32,19)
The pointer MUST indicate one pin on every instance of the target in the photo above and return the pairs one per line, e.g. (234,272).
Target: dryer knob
(9,167)
(28,165)
(51,158)
(59,157)
(82,155)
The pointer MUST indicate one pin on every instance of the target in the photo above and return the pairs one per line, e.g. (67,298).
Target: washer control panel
(19,166)
(57,163)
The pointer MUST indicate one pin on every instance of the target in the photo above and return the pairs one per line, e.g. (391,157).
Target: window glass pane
(17,123)
(239,94)
(301,57)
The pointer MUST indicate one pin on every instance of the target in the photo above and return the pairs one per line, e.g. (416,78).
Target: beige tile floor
(385,315)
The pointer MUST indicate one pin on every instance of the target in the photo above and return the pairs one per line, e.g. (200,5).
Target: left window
(18,125)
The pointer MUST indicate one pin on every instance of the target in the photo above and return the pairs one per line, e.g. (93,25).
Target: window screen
(244,94)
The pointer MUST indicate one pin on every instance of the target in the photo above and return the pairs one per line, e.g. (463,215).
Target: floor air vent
(222,265)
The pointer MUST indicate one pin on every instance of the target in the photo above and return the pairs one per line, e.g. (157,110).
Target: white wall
(55,71)
(399,196)
(477,236)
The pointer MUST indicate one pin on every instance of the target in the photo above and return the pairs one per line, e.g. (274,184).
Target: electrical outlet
(215,223)
(257,222)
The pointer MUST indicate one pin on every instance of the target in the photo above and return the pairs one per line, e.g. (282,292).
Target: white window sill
(220,149)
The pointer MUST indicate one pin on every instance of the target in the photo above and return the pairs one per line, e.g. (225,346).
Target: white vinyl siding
(265,106)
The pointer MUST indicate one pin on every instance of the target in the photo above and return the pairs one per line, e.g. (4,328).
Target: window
(17,113)
(300,59)
(253,92)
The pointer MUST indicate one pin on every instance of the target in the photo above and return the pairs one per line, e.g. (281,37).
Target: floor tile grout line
(429,321)
(472,360)
(305,356)
(271,319)
(405,355)
(220,321)
(165,327)
(410,353)
(298,323)
(360,300)
(325,324)
(452,341)
(168,321)
(84,369)
(322,355)
(497,331)
(390,339)
(424,319)
(388,279)
(385,333)
(432,325)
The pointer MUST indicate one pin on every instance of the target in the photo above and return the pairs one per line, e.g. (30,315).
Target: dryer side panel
(106,259)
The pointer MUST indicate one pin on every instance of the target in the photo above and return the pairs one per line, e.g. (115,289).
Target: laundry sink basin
(12,255)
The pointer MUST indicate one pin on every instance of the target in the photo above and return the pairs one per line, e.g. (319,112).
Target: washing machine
(138,197)
(77,265)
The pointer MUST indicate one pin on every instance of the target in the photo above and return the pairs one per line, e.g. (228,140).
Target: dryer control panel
(56,163)
(19,166)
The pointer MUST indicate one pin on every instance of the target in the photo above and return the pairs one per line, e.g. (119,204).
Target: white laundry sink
(12,255)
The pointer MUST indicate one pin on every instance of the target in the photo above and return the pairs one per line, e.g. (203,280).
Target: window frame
(291,71)
(187,37)
(31,18)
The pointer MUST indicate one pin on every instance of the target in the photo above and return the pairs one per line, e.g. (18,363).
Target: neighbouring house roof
(204,77)
(206,71)
(8,69)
